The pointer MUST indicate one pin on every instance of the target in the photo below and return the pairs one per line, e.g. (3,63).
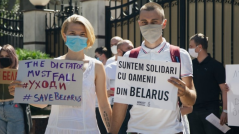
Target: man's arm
(119,112)
(224,89)
(186,90)
(104,106)
(186,110)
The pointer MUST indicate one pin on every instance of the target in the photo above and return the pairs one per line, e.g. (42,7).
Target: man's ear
(200,46)
(118,51)
(164,23)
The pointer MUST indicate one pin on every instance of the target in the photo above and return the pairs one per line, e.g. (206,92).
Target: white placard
(145,83)
(232,79)
(216,122)
(57,82)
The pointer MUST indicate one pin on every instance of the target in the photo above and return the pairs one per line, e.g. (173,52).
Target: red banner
(7,75)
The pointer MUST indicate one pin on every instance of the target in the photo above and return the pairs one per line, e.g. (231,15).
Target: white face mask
(192,52)
(151,32)
(114,49)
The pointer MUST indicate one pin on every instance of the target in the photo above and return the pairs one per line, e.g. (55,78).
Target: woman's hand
(13,85)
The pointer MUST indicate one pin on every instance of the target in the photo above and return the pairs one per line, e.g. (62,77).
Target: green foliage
(24,54)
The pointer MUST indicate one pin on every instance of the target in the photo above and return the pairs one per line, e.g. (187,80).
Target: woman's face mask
(5,62)
(76,43)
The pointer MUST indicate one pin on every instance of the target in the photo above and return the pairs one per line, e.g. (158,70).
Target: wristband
(225,111)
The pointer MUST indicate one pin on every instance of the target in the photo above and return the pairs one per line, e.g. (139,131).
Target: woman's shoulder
(60,57)
(98,65)
(88,59)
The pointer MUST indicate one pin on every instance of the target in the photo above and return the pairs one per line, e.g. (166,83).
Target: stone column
(94,11)
(34,29)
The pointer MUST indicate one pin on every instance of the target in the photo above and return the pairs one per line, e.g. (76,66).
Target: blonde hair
(153,6)
(80,20)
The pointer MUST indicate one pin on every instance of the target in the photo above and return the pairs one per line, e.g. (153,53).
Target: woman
(11,114)
(78,34)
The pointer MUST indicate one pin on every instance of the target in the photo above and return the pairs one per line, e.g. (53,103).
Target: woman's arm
(104,106)
(15,84)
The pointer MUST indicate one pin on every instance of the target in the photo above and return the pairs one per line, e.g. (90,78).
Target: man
(113,43)
(148,120)
(110,70)
(209,79)
(101,53)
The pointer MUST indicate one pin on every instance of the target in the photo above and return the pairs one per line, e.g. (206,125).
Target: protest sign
(57,82)
(145,83)
(7,75)
(232,79)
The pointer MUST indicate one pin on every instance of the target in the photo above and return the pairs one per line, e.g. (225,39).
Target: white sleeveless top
(73,119)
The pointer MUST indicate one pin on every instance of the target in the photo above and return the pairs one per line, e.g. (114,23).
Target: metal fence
(11,28)
(217,19)
(55,45)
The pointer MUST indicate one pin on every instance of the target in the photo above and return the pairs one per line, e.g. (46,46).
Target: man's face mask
(123,52)
(193,53)
(5,62)
(151,32)
(114,49)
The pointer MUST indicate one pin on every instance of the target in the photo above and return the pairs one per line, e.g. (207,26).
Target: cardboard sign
(232,79)
(57,82)
(145,83)
(7,75)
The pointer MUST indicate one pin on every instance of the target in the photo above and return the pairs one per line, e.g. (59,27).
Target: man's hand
(224,87)
(110,92)
(182,89)
(223,118)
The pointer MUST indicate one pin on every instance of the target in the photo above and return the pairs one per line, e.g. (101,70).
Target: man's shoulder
(127,54)
(215,63)
(194,60)
(183,52)
(111,58)
(111,65)
(110,70)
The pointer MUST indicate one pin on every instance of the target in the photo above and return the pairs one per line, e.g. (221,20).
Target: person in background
(13,116)
(78,34)
(101,54)
(113,43)
(110,70)
(209,81)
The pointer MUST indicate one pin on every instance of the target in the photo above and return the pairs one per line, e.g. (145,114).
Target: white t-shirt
(110,71)
(148,120)
(110,60)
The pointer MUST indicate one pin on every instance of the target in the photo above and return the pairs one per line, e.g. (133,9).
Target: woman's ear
(64,37)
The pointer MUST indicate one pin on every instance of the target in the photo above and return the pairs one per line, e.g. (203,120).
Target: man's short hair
(200,39)
(102,50)
(116,38)
(119,45)
(153,6)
